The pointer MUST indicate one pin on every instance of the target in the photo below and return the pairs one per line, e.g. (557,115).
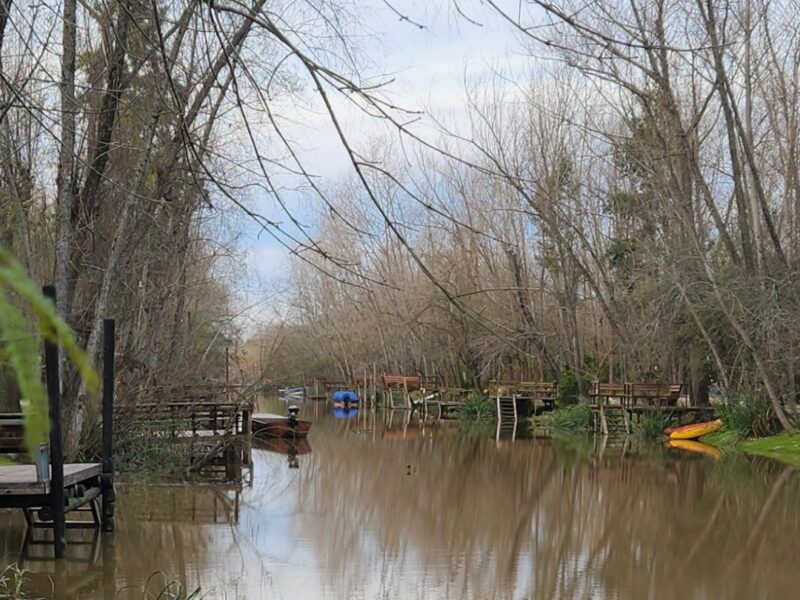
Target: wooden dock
(617,406)
(20,480)
(68,487)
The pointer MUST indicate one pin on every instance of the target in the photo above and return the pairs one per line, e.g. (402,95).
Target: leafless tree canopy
(625,205)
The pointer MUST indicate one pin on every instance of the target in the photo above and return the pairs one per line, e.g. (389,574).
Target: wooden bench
(545,392)
(653,394)
(601,392)
(407,383)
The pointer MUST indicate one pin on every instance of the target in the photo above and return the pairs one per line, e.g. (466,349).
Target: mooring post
(227,374)
(107,477)
(56,450)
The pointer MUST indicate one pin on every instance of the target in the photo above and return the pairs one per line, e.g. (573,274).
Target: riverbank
(782,446)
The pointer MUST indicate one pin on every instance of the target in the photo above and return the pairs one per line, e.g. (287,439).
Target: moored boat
(693,431)
(281,445)
(345,399)
(278,426)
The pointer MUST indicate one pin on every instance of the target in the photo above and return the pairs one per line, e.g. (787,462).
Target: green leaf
(20,347)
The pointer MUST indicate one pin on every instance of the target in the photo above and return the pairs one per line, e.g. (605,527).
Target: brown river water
(403,511)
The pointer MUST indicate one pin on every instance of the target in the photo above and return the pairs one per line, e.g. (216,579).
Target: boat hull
(281,428)
(281,445)
(693,431)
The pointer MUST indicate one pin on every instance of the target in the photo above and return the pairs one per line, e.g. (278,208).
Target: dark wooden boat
(282,445)
(269,424)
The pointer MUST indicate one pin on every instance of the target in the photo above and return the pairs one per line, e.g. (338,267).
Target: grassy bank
(783,447)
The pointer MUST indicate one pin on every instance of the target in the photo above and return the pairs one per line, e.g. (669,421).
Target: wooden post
(227,372)
(56,450)
(107,477)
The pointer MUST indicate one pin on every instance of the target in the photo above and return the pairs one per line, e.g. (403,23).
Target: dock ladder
(507,409)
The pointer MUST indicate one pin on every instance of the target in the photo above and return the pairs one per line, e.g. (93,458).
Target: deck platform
(20,480)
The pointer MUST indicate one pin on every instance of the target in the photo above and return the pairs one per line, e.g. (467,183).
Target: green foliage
(620,254)
(748,415)
(568,387)
(19,346)
(722,438)
(152,450)
(651,425)
(575,417)
(160,587)
(12,579)
(476,407)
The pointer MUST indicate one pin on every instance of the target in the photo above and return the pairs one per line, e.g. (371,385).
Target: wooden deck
(20,480)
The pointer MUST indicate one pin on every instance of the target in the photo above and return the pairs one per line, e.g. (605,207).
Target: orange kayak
(693,446)
(693,431)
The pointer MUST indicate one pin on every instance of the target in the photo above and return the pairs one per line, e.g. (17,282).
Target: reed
(575,417)
(651,425)
(12,580)
(476,407)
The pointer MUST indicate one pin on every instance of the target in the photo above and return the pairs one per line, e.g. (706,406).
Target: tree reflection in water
(403,509)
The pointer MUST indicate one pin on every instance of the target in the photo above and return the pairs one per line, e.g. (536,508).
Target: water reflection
(387,506)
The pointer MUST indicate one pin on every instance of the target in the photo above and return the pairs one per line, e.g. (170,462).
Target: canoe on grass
(697,447)
(693,431)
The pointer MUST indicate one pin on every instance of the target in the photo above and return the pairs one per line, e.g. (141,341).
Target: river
(377,510)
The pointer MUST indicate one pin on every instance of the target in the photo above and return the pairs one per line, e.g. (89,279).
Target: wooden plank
(19,480)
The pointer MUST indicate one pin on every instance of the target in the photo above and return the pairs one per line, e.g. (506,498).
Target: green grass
(476,408)
(783,447)
(575,417)
(650,426)
(12,580)
(723,438)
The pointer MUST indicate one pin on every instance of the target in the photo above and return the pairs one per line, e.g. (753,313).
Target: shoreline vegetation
(750,426)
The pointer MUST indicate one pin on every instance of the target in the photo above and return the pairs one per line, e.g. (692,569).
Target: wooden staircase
(398,400)
(507,418)
(507,409)
(614,422)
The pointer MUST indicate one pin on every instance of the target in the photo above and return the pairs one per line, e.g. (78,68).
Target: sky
(428,66)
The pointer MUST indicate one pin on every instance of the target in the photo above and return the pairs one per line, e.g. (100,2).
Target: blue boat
(345,398)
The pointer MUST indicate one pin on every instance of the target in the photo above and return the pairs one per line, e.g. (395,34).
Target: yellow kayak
(693,446)
(693,431)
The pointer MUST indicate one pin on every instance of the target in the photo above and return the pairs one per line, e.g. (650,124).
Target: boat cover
(345,396)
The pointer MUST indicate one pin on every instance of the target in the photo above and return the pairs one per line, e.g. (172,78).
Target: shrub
(573,417)
(651,425)
(476,407)
(568,387)
(748,415)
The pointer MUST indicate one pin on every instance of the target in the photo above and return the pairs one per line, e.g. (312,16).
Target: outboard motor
(294,411)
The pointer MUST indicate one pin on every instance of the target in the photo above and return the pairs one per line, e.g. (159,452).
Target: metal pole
(107,478)
(56,451)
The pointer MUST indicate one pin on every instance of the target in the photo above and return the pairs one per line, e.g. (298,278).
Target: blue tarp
(345,396)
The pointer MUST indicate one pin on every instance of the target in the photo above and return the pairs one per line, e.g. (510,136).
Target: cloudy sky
(428,66)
